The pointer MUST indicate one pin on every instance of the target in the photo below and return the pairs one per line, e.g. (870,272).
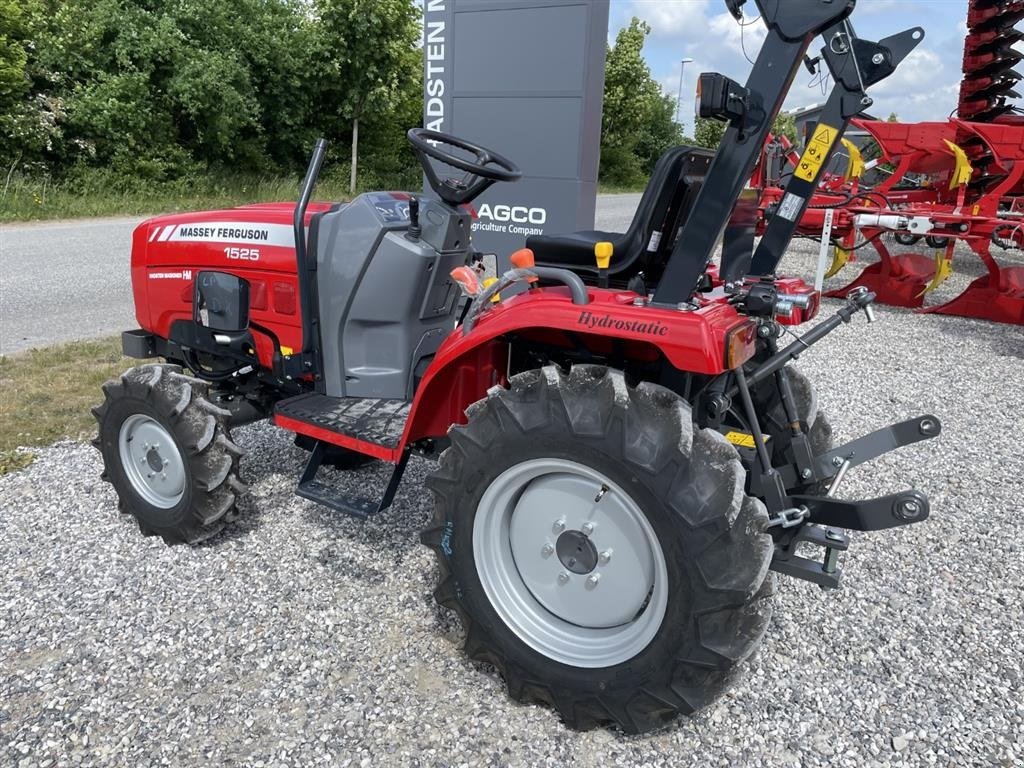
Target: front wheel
(599,548)
(168,453)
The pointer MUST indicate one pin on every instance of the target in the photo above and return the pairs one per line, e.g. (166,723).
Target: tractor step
(334,498)
(368,425)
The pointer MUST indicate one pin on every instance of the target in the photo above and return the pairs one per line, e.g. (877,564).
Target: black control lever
(414,219)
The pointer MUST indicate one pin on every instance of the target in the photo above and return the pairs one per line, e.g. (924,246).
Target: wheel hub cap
(585,585)
(576,552)
(151,461)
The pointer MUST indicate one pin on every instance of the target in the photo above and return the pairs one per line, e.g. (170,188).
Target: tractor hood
(260,234)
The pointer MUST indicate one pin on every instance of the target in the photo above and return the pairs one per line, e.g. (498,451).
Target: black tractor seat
(645,246)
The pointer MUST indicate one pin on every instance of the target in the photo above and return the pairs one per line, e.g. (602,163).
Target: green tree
(118,92)
(785,125)
(15,116)
(708,133)
(631,99)
(366,48)
(13,57)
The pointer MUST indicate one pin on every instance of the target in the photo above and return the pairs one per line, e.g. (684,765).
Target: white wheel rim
(581,581)
(151,461)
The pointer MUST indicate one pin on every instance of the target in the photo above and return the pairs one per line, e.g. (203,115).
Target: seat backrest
(688,187)
(655,202)
(665,205)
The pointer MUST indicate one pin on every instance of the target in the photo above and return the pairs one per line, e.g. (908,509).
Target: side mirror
(221,301)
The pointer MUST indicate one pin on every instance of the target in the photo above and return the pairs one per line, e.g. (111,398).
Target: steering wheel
(488,167)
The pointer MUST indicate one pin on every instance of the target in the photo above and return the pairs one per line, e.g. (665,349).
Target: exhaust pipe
(309,340)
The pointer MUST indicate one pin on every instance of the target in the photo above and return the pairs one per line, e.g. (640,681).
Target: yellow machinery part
(840,258)
(963,171)
(943,269)
(855,165)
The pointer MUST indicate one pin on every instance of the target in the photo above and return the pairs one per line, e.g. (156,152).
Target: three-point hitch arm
(855,65)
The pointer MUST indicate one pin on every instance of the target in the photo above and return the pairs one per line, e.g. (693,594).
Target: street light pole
(679,98)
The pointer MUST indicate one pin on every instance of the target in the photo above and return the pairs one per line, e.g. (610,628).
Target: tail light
(740,344)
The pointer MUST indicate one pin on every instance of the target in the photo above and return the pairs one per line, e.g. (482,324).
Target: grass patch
(619,189)
(46,395)
(29,199)
(33,199)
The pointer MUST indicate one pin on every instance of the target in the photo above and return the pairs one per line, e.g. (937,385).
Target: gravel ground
(305,638)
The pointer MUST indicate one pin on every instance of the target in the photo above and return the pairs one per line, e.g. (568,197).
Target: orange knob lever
(466,278)
(523,259)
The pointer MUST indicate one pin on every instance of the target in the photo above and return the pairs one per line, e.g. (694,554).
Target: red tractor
(623,452)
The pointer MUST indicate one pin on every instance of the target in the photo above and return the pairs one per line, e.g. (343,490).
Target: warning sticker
(816,152)
(742,439)
(790,207)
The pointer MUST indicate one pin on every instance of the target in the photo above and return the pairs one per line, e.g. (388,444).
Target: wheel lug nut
(605,556)
(587,529)
(546,550)
(592,580)
(563,578)
(559,525)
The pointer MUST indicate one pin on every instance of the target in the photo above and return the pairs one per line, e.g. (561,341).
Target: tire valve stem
(601,493)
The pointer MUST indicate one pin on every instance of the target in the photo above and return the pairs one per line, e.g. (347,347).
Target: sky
(924,87)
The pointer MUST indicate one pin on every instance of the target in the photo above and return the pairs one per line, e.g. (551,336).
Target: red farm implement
(973,191)
(959,180)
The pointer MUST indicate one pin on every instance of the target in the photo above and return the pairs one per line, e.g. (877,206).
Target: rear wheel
(168,453)
(599,548)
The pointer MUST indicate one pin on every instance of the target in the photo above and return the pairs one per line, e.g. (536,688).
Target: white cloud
(671,19)
(924,87)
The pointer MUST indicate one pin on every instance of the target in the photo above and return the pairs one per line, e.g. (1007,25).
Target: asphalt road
(64,280)
(67,280)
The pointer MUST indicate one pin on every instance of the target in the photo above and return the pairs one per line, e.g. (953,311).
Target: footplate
(341,501)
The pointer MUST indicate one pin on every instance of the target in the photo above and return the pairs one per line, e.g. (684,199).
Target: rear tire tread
(734,552)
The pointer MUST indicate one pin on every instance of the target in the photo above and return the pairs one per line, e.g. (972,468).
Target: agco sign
(508,218)
(518,214)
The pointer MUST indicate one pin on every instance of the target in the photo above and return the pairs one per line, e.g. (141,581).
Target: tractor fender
(468,364)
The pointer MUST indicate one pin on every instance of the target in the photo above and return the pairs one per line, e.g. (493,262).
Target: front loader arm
(855,65)
(792,26)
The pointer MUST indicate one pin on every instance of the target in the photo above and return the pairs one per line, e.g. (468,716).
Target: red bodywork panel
(467,365)
(255,242)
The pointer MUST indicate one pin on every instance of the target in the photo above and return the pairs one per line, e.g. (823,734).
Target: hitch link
(789,518)
(838,479)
